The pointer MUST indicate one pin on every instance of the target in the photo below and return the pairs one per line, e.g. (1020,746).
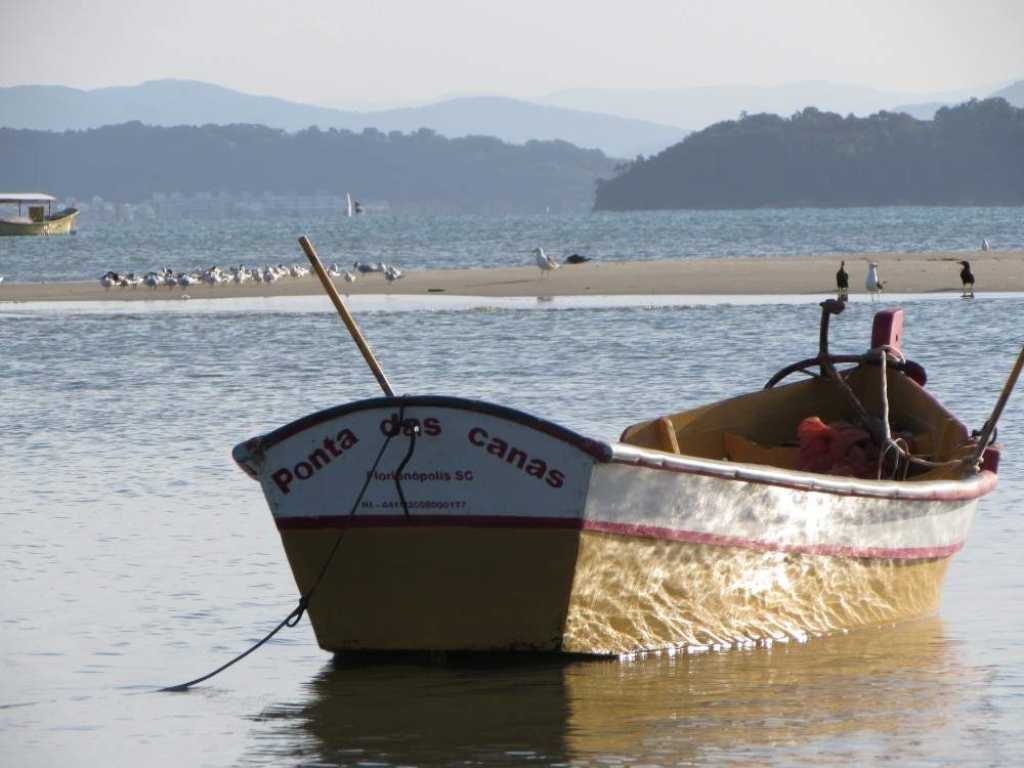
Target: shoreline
(925,272)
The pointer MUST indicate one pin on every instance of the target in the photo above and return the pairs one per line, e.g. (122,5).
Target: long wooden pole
(353,329)
(990,425)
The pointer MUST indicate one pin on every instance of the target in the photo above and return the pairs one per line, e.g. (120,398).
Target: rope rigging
(412,429)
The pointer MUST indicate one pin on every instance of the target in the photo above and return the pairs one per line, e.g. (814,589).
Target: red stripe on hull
(618,529)
(717,540)
(424,521)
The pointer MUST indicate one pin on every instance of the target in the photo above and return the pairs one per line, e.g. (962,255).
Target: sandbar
(925,272)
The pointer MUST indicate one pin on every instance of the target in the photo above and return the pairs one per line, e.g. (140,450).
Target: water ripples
(135,554)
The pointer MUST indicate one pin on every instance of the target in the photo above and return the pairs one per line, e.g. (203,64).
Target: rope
(295,616)
(889,445)
(886,427)
(414,430)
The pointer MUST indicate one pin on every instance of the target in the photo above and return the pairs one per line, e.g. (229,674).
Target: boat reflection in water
(862,692)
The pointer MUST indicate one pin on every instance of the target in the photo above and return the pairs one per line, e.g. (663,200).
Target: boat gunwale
(598,449)
(972,487)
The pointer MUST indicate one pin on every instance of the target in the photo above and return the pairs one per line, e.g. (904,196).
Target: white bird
(110,279)
(873,284)
(269,275)
(213,276)
(984,244)
(1,279)
(392,273)
(545,262)
(349,277)
(334,270)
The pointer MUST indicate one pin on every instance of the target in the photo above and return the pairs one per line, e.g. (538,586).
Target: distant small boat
(352,207)
(41,220)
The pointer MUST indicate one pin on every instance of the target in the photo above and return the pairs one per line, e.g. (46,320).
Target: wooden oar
(353,329)
(990,425)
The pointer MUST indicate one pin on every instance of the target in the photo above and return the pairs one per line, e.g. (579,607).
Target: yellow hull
(464,589)
(60,224)
(436,588)
(632,594)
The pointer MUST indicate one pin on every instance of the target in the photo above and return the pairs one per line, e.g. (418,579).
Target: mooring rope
(295,616)
(890,445)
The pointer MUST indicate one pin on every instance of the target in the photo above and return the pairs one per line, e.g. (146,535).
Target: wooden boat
(41,220)
(441,523)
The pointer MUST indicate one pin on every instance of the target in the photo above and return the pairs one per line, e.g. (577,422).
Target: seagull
(1,279)
(392,273)
(545,262)
(358,266)
(984,245)
(842,282)
(873,284)
(349,277)
(967,278)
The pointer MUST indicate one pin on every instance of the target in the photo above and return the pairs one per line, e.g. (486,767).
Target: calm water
(134,554)
(419,242)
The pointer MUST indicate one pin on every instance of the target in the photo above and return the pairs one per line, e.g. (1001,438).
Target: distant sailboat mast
(348,205)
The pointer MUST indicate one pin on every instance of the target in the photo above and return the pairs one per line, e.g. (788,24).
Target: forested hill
(972,154)
(420,170)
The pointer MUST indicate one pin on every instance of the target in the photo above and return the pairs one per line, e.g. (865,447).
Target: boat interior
(762,427)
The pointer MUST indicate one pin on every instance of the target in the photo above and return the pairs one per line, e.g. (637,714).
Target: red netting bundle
(838,448)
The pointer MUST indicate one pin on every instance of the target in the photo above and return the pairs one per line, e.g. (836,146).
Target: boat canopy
(26,197)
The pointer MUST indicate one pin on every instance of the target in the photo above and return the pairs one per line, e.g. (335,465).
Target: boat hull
(59,224)
(518,534)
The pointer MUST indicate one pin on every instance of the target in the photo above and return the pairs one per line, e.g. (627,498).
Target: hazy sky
(359,52)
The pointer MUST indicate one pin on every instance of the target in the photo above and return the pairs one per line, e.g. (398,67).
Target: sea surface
(134,554)
(185,240)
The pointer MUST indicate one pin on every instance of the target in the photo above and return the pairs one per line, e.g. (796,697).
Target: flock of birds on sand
(547,264)
(240,275)
(270,274)
(874,286)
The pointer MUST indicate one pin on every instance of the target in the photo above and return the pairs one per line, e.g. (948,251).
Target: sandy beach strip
(931,272)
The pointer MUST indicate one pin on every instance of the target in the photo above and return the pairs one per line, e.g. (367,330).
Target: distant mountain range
(187,102)
(622,123)
(699,107)
(1013,93)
